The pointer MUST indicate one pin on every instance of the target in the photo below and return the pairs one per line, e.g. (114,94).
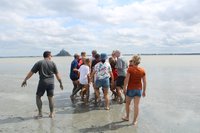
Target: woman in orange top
(134,87)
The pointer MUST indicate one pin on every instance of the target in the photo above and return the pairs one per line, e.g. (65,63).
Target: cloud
(134,26)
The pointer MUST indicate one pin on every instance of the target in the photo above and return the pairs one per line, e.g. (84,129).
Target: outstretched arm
(27,77)
(59,80)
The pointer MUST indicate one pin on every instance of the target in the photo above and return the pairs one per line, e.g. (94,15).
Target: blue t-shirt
(74,74)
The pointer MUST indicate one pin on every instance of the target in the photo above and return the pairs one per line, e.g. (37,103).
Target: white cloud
(148,26)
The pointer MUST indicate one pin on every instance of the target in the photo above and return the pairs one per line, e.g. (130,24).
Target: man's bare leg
(51,106)
(39,106)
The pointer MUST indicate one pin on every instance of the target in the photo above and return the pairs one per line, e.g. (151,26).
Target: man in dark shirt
(74,72)
(46,69)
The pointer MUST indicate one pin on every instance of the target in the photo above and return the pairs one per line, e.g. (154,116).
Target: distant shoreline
(109,55)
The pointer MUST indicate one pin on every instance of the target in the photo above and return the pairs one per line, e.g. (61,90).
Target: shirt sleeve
(55,68)
(35,68)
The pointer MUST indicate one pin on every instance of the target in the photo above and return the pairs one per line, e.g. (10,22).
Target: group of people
(125,81)
(100,73)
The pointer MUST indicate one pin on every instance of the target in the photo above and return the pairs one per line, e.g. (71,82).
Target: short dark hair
(76,56)
(83,53)
(94,52)
(97,56)
(46,54)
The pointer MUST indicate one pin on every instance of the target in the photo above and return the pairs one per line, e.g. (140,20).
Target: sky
(29,27)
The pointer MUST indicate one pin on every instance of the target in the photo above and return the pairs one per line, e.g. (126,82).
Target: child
(84,79)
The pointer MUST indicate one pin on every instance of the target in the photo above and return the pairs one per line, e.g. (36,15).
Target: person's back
(102,70)
(46,69)
(136,74)
(134,87)
(121,66)
(84,72)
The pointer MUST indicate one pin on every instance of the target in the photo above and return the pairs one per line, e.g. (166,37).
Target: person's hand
(143,93)
(24,83)
(61,87)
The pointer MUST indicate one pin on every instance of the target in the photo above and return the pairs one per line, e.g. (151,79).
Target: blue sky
(27,28)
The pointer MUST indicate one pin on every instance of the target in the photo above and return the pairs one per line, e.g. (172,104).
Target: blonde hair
(136,59)
(87,61)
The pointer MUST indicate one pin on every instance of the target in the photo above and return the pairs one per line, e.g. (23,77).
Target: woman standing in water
(134,87)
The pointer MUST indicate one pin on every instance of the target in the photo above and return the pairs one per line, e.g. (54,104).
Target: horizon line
(21,56)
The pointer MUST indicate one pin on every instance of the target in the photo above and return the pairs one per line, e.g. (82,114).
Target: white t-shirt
(84,71)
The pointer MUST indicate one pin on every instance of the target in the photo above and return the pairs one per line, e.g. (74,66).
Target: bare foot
(107,108)
(125,118)
(38,116)
(135,123)
(51,115)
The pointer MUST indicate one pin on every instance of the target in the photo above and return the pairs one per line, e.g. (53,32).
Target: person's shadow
(14,120)
(107,127)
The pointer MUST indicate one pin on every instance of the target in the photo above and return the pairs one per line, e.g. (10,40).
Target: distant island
(63,53)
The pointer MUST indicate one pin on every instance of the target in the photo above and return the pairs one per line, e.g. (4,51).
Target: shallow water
(172,104)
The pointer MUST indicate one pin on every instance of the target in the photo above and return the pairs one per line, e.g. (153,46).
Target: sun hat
(103,56)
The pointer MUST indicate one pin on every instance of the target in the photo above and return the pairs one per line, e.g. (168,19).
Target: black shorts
(120,81)
(74,78)
(42,87)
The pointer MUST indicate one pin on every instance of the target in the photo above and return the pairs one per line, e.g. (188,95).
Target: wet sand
(171,104)
(77,117)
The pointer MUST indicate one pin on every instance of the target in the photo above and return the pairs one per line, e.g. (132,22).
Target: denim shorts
(104,83)
(133,93)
